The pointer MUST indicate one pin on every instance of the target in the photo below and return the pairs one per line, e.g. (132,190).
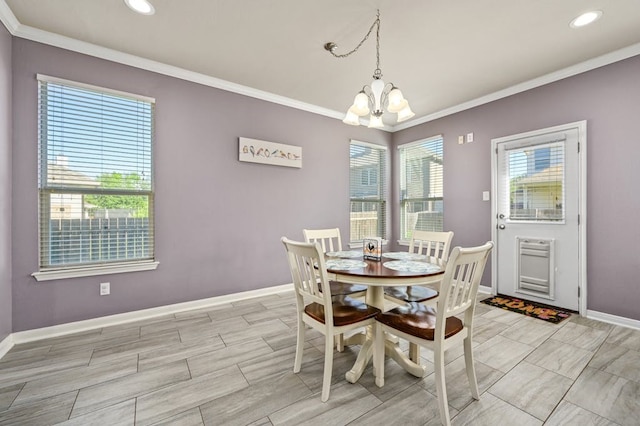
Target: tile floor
(232,365)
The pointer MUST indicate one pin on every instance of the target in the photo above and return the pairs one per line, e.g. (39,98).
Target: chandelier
(375,97)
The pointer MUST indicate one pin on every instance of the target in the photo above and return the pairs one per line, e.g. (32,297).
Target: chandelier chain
(375,24)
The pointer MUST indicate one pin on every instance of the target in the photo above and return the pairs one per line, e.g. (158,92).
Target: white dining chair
(317,309)
(435,245)
(440,329)
(330,241)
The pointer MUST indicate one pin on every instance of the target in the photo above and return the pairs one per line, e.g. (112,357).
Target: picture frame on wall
(263,152)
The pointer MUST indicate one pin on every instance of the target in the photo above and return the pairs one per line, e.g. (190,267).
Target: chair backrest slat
(329,239)
(433,244)
(460,283)
(309,274)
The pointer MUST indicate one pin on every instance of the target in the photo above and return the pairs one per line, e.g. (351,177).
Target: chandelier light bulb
(405,114)
(375,122)
(360,104)
(397,102)
(351,118)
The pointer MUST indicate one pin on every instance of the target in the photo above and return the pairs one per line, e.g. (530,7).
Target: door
(538,222)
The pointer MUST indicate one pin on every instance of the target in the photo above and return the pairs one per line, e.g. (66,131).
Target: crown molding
(29,33)
(8,18)
(591,64)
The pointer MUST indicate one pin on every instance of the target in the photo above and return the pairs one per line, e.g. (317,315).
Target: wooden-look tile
(43,368)
(606,355)
(412,406)
(396,379)
(8,394)
(458,388)
(175,399)
(53,410)
(284,314)
(215,360)
(484,329)
(560,358)
(149,344)
(276,363)
(532,389)
(490,411)
(623,336)
(256,401)
(173,324)
(501,353)
(19,357)
(581,336)
(121,414)
(128,387)
(569,414)
(76,378)
(230,311)
(346,403)
(530,331)
(215,328)
(191,417)
(503,315)
(258,330)
(607,395)
(598,325)
(178,351)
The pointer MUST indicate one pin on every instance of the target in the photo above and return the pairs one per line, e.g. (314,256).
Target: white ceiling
(445,55)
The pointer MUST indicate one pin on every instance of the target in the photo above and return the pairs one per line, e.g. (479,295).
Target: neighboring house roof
(61,175)
(551,175)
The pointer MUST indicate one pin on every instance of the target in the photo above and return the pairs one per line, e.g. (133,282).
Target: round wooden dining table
(376,275)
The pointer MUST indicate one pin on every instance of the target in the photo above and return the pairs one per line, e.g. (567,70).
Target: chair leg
(470,367)
(339,342)
(378,355)
(328,367)
(297,364)
(414,353)
(441,387)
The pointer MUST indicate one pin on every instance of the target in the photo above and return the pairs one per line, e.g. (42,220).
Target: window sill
(88,271)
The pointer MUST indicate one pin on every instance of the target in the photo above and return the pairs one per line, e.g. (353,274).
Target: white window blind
(95,175)
(368,192)
(536,182)
(421,189)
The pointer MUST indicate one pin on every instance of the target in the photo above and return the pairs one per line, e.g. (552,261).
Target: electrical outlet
(105,289)
(460,140)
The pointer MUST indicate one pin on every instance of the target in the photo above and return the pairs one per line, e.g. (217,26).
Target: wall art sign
(263,152)
(372,248)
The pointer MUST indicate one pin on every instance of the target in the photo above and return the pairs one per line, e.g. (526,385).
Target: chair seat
(414,293)
(346,311)
(418,320)
(344,289)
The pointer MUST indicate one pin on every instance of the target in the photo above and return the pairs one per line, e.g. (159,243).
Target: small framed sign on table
(372,248)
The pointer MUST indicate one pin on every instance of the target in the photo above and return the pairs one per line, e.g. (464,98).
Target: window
(95,177)
(536,182)
(421,192)
(367,190)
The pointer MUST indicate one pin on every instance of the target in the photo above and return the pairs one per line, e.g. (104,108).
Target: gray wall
(609,99)
(218,221)
(5,184)
(238,208)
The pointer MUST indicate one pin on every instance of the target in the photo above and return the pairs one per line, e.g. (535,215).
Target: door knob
(500,216)
(501,226)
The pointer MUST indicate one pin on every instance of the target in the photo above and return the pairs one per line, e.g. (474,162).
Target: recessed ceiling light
(586,19)
(141,6)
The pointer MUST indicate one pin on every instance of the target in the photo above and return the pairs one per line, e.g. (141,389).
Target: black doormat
(528,308)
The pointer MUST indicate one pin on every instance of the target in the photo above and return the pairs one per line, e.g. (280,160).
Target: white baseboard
(485,289)
(6,345)
(91,324)
(613,319)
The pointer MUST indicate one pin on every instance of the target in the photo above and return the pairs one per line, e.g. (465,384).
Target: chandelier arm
(331,47)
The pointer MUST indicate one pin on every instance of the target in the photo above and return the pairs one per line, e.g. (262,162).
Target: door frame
(581,126)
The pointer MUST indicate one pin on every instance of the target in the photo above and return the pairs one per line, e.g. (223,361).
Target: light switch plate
(486,196)
(469,137)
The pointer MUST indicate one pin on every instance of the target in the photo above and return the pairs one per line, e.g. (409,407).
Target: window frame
(47,189)
(404,234)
